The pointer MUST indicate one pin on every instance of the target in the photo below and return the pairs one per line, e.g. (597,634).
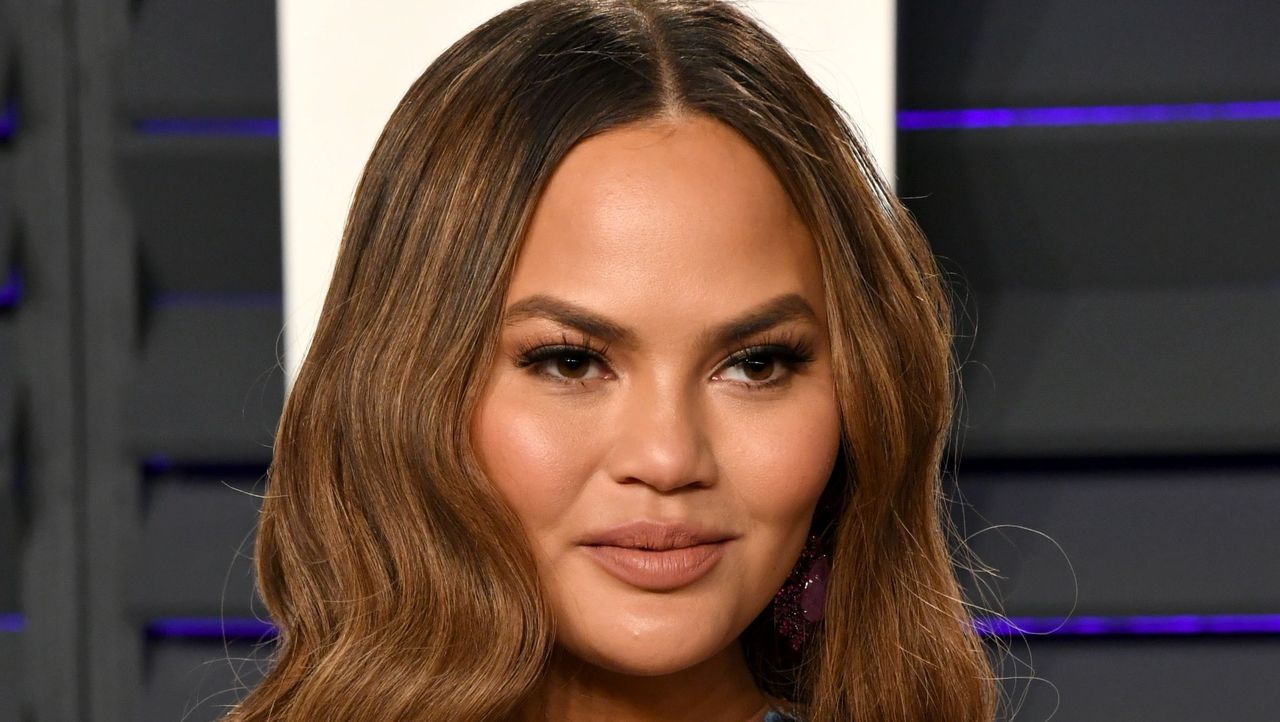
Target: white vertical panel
(344,64)
(848,47)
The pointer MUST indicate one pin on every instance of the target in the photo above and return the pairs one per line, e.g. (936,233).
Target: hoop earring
(800,604)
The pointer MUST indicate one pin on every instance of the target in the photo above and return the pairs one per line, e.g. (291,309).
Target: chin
(649,645)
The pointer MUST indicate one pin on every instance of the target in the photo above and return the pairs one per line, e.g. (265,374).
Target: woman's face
(663,361)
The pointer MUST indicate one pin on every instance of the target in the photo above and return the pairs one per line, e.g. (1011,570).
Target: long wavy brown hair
(401,583)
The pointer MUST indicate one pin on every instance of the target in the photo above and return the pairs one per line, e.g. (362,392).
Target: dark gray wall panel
(10,547)
(1113,270)
(11,677)
(10,534)
(1111,206)
(43,189)
(195,681)
(206,212)
(181,274)
(197,548)
(207,385)
(1168,679)
(201,59)
(7,228)
(10,531)
(7,38)
(1141,542)
(1113,372)
(1069,52)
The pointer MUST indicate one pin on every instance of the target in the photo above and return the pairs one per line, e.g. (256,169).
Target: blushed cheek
(534,459)
(786,469)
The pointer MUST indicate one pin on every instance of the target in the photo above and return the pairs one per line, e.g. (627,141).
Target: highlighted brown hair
(400,580)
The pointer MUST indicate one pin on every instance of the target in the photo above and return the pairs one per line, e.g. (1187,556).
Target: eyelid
(546,346)
(793,351)
(536,353)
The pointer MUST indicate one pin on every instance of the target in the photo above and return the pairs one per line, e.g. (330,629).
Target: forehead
(677,216)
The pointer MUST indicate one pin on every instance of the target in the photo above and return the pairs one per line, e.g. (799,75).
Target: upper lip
(643,534)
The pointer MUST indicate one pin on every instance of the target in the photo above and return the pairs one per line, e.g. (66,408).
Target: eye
(759,367)
(769,365)
(563,362)
(567,363)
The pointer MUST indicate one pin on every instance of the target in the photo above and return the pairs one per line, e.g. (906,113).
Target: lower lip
(658,571)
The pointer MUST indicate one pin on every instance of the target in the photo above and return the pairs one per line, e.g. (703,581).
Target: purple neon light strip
(907,119)
(205,628)
(11,623)
(1180,625)
(1146,625)
(11,291)
(8,120)
(209,126)
(1086,115)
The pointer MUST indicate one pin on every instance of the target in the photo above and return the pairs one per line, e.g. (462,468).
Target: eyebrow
(777,310)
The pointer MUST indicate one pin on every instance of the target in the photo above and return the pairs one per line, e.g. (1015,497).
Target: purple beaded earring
(799,604)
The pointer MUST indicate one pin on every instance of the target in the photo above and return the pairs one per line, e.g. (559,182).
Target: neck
(719,689)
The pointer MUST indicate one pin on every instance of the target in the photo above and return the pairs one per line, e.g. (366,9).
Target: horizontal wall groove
(208,126)
(981,118)
(1086,464)
(1168,625)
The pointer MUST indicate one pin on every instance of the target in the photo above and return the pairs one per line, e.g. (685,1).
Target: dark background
(1117,264)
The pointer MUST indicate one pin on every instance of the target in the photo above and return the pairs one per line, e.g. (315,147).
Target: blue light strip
(911,120)
(1183,625)
(11,291)
(8,120)
(11,623)
(207,628)
(1163,625)
(209,126)
(908,120)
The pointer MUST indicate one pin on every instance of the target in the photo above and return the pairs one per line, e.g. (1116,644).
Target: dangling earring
(801,602)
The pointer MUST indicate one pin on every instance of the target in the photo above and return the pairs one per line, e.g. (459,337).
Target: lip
(655,536)
(658,571)
(655,556)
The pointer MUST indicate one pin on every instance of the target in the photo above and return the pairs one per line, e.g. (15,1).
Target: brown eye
(758,368)
(564,363)
(572,366)
(768,366)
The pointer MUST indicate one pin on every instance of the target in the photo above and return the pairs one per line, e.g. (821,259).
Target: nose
(660,437)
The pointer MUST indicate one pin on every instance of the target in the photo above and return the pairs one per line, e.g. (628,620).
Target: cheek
(784,462)
(532,456)
(781,466)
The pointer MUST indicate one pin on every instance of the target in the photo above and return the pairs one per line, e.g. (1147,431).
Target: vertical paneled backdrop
(1099,180)
(179,152)
(41,438)
(140,305)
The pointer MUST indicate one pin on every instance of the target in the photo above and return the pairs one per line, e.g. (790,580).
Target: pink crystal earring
(800,603)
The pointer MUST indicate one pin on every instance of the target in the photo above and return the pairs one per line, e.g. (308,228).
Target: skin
(666,228)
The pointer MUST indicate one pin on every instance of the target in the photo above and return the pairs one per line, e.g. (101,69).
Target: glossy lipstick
(656,556)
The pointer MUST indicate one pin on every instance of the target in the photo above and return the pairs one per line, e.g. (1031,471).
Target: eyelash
(792,352)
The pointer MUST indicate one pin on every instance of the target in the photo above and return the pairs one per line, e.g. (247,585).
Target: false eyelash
(790,348)
(541,350)
(792,351)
